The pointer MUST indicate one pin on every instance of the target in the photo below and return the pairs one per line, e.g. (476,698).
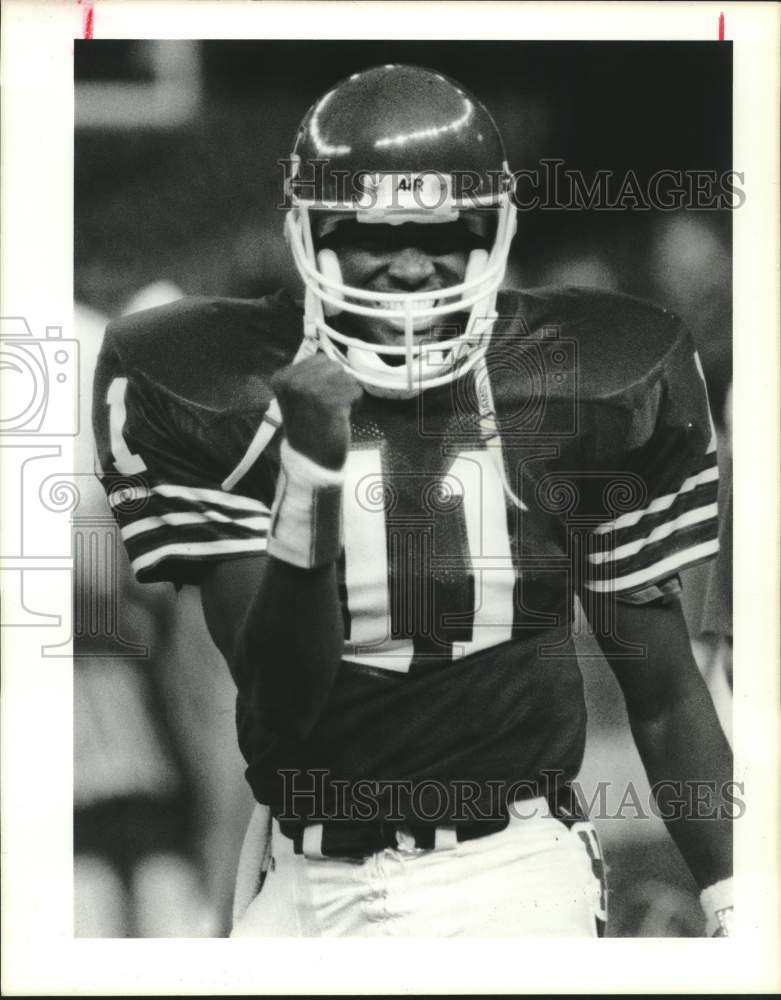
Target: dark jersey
(456,597)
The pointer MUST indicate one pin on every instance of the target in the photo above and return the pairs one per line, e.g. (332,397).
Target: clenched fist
(316,397)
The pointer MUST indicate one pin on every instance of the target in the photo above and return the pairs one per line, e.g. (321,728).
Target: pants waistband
(354,840)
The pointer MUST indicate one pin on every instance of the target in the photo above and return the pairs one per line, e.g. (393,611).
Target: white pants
(535,878)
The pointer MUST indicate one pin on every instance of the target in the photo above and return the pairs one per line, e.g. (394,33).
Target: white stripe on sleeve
(661,531)
(660,503)
(220,546)
(176,518)
(194,493)
(662,568)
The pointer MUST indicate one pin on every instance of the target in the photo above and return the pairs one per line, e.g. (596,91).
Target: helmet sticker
(400,196)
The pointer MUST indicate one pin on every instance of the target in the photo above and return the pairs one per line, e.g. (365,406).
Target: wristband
(306,516)
(718,905)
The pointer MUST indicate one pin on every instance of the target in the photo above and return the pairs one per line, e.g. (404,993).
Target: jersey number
(125,461)
(474,480)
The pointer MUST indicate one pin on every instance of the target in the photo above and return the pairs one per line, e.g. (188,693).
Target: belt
(356,840)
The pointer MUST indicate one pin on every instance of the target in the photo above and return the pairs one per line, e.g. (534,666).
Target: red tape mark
(89,21)
(721,27)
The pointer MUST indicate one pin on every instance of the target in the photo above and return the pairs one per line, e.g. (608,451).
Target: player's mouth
(397,318)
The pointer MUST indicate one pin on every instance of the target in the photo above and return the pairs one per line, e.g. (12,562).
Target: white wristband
(306,517)
(718,905)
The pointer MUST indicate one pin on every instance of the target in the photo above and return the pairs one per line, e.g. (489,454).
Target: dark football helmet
(397,144)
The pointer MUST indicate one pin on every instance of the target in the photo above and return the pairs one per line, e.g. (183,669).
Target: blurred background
(177,191)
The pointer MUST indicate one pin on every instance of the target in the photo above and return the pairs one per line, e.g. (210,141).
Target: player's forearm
(675,727)
(291,640)
(290,644)
(689,764)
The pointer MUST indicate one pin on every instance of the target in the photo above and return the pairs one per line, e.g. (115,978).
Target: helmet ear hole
(328,265)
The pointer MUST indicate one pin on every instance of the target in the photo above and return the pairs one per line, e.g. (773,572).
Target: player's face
(410,257)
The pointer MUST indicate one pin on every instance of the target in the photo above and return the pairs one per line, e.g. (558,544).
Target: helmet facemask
(419,363)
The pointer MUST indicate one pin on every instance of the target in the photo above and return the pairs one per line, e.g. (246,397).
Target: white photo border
(40,954)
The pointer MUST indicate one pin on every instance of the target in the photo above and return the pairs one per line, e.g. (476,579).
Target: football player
(390,500)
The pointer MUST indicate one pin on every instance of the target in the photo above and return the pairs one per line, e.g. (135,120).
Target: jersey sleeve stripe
(689,518)
(654,552)
(168,529)
(663,503)
(194,550)
(703,496)
(214,496)
(658,570)
(204,531)
(258,522)
(191,493)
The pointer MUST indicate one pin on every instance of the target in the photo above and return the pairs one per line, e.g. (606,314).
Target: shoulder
(208,350)
(609,371)
(618,344)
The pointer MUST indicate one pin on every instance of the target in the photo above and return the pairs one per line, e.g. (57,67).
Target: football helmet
(396,144)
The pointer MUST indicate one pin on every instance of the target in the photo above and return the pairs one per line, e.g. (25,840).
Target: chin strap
(269,425)
(489,427)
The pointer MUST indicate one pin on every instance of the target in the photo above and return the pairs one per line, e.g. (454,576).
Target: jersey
(460,562)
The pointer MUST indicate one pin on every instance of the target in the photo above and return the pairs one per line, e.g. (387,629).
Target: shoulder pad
(626,360)
(217,353)
(622,342)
